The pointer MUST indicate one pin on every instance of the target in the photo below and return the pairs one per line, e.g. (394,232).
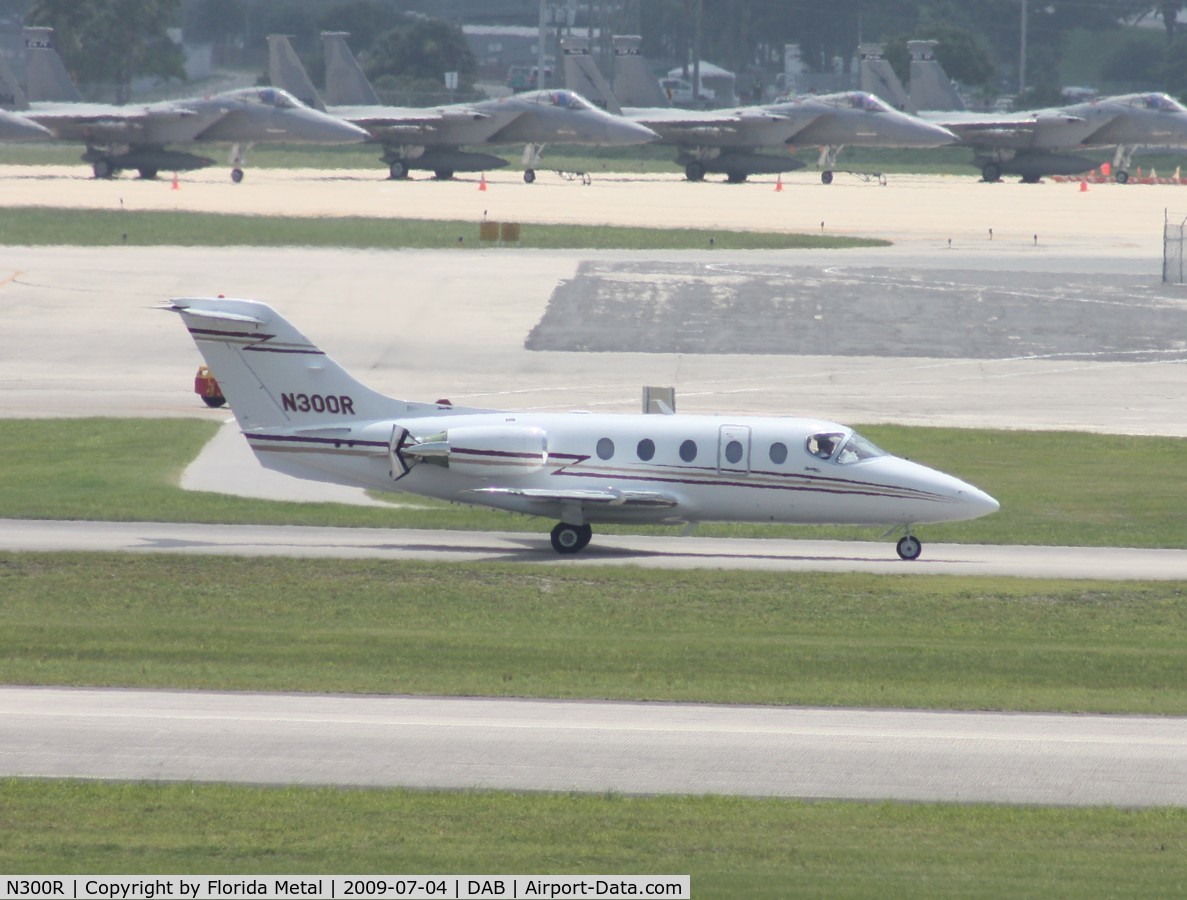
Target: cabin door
(733,449)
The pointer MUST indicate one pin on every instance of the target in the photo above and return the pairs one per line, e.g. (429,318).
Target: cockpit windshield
(270,96)
(561,99)
(1163,103)
(842,448)
(868,102)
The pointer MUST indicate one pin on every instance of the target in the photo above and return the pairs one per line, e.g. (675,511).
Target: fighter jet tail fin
(878,77)
(12,98)
(46,77)
(286,72)
(634,83)
(346,85)
(583,76)
(931,88)
(271,374)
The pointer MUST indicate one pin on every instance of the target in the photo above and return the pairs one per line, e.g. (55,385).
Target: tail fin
(12,98)
(286,72)
(346,85)
(46,77)
(583,77)
(877,76)
(931,88)
(634,83)
(272,375)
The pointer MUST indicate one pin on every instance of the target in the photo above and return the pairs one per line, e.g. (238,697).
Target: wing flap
(607,497)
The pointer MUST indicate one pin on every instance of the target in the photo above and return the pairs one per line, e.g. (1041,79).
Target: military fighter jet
(136,137)
(432,139)
(1034,144)
(728,140)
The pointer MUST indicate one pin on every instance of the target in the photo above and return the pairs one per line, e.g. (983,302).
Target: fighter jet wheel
(570,538)
(909,547)
(236,174)
(735,177)
(147,174)
(215,402)
(397,170)
(1122,176)
(826,177)
(103,169)
(991,172)
(529,175)
(443,174)
(694,171)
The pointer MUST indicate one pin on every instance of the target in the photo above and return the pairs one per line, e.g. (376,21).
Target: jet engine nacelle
(481,450)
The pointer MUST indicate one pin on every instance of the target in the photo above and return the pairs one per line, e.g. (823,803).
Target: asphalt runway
(644,551)
(984,328)
(596,747)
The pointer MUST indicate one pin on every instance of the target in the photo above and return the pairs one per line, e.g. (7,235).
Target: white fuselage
(710,468)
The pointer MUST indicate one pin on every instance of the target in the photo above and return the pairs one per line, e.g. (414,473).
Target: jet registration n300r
(304,415)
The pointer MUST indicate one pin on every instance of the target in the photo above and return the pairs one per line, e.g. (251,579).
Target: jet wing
(90,121)
(607,497)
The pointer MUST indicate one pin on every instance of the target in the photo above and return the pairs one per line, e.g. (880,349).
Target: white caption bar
(340,887)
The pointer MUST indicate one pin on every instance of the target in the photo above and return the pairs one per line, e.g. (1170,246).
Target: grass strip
(550,631)
(1056,488)
(38,225)
(732,847)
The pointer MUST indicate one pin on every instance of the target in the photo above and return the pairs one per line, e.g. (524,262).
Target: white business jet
(304,415)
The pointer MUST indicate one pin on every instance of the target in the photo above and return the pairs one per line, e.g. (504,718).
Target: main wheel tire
(694,171)
(103,169)
(397,170)
(735,177)
(147,174)
(991,172)
(909,547)
(236,175)
(443,174)
(826,177)
(568,539)
(1122,176)
(529,175)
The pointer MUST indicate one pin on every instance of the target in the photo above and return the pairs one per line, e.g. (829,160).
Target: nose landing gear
(909,547)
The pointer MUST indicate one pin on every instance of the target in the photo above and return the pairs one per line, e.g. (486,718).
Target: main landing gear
(568,538)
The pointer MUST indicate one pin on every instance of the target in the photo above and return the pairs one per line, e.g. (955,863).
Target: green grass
(38,225)
(1057,488)
(732,847)
(554,631)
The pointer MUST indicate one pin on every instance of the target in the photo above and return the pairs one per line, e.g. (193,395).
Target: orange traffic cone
(779,183)
(176,186)
(1083,186)
(482,182)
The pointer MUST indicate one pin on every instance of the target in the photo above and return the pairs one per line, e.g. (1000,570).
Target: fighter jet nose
(314,127)
(625,132)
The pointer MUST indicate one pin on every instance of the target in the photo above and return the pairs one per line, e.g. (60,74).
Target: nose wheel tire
(236,175)
(826,177)
(909,547)
(529,175)
(570,538)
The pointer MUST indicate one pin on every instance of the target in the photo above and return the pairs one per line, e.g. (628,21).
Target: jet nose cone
(15,127)
(918,133)
(623,132)
(977,502)
(315,127)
